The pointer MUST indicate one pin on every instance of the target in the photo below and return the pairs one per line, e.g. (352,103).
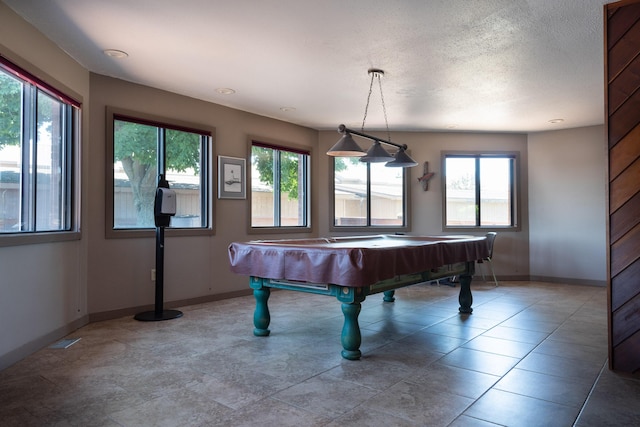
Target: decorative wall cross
(424,179)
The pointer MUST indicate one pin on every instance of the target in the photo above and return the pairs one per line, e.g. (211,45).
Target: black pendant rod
(343,129)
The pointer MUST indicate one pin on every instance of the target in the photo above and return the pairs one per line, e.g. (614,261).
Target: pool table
(351,268)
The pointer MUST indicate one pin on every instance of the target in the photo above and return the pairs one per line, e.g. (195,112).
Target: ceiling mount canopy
(348,147)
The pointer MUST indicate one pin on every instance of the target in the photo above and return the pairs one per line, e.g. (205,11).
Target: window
(279,186)
(142,149)
(38,131)
(480,190)
(369,195)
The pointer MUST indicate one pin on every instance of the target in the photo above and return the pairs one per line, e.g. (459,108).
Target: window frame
(406,195)
(283,146)
(515,189)
(43,83)
(115,113)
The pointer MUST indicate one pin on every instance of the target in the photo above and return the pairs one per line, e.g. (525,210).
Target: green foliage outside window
(136,147)
(10,110)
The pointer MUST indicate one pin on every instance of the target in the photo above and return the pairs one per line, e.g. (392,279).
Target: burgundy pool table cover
(352,261)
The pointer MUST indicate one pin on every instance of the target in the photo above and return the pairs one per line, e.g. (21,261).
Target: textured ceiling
(483,65)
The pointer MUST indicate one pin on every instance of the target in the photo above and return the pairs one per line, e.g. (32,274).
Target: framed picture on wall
(231,178)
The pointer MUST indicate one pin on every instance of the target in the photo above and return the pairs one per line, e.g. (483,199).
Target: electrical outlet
(153,274)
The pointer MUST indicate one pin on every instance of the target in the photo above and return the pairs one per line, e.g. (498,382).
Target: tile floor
(531,354)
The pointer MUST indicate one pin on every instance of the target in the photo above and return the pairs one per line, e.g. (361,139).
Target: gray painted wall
(511,251)
(43,292)
(567,204)
(195,267)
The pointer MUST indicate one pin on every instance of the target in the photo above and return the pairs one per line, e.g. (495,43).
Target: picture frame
(231,178)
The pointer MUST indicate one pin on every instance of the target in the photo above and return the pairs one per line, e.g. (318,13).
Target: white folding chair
(491,237)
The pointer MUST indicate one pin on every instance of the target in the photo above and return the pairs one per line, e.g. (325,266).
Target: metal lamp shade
(402,160)
(376,154)
(346,147)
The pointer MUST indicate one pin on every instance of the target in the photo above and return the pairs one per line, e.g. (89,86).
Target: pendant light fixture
(348,147)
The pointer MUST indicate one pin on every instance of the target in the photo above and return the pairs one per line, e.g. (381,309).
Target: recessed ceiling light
(287,109)
(225,91)
(115,53)
(554,121)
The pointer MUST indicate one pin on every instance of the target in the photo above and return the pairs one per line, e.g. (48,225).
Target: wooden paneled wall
(622,89)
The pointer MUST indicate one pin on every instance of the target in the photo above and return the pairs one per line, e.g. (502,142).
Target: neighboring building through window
(369,195)
(144,148)
(480,190)
(38,134)
(279,186)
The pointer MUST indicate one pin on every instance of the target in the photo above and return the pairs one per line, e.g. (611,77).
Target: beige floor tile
(530,354)
(420,404)
(565,391)
(499,346)
(514,410)
(480,361)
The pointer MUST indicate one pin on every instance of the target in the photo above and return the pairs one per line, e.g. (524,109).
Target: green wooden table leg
(351,338)
(389,296)
(465,298)
(261,316)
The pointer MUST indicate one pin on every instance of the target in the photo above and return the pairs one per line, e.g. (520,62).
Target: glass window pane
(291,184)
(460,190)
(134,174)
(36,134)
(262,181)
(482,198)
(183,171)
(350,192)
(10,152)
(50,206)
(279,187)
(302,195)
(387,199)
(495,194)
